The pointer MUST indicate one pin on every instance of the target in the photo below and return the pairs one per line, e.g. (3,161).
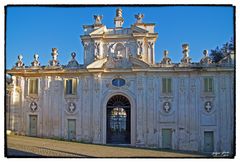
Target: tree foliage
(219,53)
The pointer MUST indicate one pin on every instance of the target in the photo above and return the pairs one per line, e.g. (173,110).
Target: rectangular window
(208,84)
(33,86)
(166,85)
(71,86)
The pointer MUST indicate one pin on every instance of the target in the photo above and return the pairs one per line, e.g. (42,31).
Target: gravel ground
(20,146)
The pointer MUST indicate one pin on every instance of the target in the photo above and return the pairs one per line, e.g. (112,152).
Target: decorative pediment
(138,63)
(113,62)
(97,64)
(136,29)
(99,31)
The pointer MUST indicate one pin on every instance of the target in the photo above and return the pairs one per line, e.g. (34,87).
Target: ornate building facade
(121,96)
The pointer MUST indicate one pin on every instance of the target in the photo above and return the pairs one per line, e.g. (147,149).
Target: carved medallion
(208,106)
(33,106)
(71,107)
(167,107)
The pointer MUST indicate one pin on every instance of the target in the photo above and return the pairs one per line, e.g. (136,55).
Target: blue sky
(33,30)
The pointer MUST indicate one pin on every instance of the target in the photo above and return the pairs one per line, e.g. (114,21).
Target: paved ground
(22,146)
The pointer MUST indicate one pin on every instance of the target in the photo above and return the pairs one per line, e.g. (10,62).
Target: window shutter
(65,87)
(205,84)
(210,88)
(169,85)
(164,85)
(36,86)
(74,91)
(30,86)
(69,86)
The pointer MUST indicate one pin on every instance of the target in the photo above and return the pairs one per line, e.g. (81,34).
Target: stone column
(150,113)
(182,130)
(150,52)
(86,117)
(139,111)
(96,125)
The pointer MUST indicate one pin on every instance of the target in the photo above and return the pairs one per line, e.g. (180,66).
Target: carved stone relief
(33,106)
(97,50)
(208,106)
(139,49)
(166,107)
(71,107)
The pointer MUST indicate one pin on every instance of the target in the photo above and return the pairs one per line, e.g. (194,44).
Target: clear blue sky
(33,30)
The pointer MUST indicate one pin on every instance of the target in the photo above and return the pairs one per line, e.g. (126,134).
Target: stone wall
(187,118)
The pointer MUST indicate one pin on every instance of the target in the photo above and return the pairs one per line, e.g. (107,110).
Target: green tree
(219,53)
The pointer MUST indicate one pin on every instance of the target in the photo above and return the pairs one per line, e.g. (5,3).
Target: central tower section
(119,45)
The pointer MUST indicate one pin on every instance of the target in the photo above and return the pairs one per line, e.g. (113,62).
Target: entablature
(62,72)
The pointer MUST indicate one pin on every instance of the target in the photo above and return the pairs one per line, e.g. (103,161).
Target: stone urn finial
(205,53)
(206,59)
(165,53)
(54,61)
(20,57)
(54,53)
(118,20)
(185,49)
(19,63)
(165,59)
(119,12)
(73,54)
(186,59)
(139,17)
(36,56)
(35,62)
(98,19)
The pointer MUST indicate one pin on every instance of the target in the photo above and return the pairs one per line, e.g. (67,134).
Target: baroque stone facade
(121,96)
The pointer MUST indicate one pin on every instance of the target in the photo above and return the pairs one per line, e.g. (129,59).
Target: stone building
(120,95)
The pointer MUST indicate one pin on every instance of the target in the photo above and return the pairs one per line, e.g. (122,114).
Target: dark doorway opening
(118,120)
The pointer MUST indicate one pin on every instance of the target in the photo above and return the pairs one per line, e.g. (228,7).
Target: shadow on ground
(18,153)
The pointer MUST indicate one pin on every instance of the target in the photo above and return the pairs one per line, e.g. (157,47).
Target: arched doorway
(118,120)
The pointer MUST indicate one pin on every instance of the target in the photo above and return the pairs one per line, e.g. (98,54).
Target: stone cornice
(64,72)
(122,36)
